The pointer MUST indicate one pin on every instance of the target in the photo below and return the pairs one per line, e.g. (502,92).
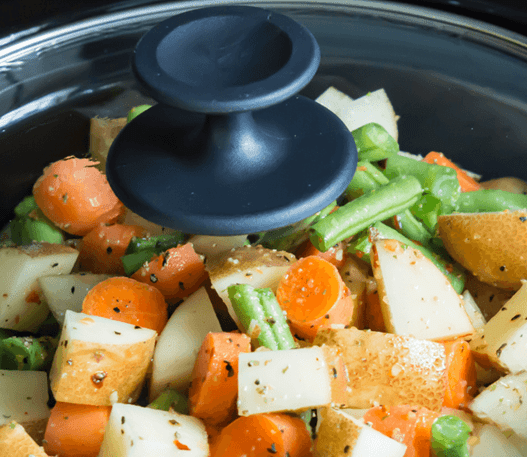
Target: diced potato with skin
(179,343)
(389,369)
(16,442)
(134,431)
(63,292)
(354,273)
(22,306)
(102,133)
(340,434)
(373,107)
(503,339)
(416,298)
(214,246)
(518,442)
(24,399)
(288,380)
(489,441)
(256,266)
(490,299)
(473,312)
(152,229)
(504,403)
(100,361)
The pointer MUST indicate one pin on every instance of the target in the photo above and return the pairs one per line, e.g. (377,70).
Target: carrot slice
(314,295)
(336,255)
(410,425)
(214,388)
(177,273)
(278,435)
(103,247)
(75,430)
(460,373)
(465,181)
(127,300)
(76,196)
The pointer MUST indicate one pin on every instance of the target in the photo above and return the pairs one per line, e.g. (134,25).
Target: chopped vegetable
(460,375)
(261,316)
(214,387)
(366,177)
(76,196)
(76,430)
(313,295)
(490,200)
(374,143)
(449,437)
(335,255)
(127,300)
(136,111)
(27,352)
(171,400)
(465,181)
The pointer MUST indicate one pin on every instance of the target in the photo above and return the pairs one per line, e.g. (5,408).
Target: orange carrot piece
(410,425)
(76,196)
(278,435)
(214,388)
(75,430)
(177,273)
(465,181)
(127,300)
(373,313)
(336,255)
(314,295)
(103,247)
(460,373)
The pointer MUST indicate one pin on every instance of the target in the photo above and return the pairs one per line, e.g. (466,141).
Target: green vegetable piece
(158,244)
(374,143)
(366,177)
(27,353)
(136,111)
(489,200)
(437,180)
(133,262)
(454,273)
(361,246)
(27,205)
(171,400)
(260,314)
(449,437)
(410,227)
(290,237)
(428,209)
(375,205)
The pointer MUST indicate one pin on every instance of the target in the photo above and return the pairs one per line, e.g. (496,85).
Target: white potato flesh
(473,312)
(372,443)
(518,442)
(23,396)
(504,338)
(179,343)
(211,246)
(373,107)
(504,403)
(22,306)
(490,442)
(63,292)
(416,298)
(134,431)
(289,380)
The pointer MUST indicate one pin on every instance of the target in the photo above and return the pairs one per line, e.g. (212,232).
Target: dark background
(19,14)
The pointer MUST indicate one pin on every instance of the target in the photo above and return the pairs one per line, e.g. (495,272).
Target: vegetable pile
(391,323)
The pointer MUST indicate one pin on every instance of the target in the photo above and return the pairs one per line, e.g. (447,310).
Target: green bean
(366,177)
(361,246)
(27,205)
(171,399)
(453,272)
(412,228)
(133,262)
(136,111)
(437,180)
(259,312)
(427,209)
(488,200)
(377,204)
(374,143)
(158,243)
(449,437)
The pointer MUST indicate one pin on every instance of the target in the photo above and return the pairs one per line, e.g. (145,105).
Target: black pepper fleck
(272,449)
(153,278)
(347,448)
(228,367)
(109,250)
(117,310)
(502,268)
(516,317)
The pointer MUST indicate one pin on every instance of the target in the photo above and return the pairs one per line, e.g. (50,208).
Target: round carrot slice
(127,300)
(76,196)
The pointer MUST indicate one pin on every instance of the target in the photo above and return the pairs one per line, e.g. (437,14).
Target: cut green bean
(260,315)
(374,143)
(366,177)
(133,262)
(437,180)
(427,209)
(375,205)
(158,243)
(452,271)
(27,353)
(449,437)
(136,111)
(171,400)
(410,227)
(27,205)
(290,237)
(489,200)
(361,246)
